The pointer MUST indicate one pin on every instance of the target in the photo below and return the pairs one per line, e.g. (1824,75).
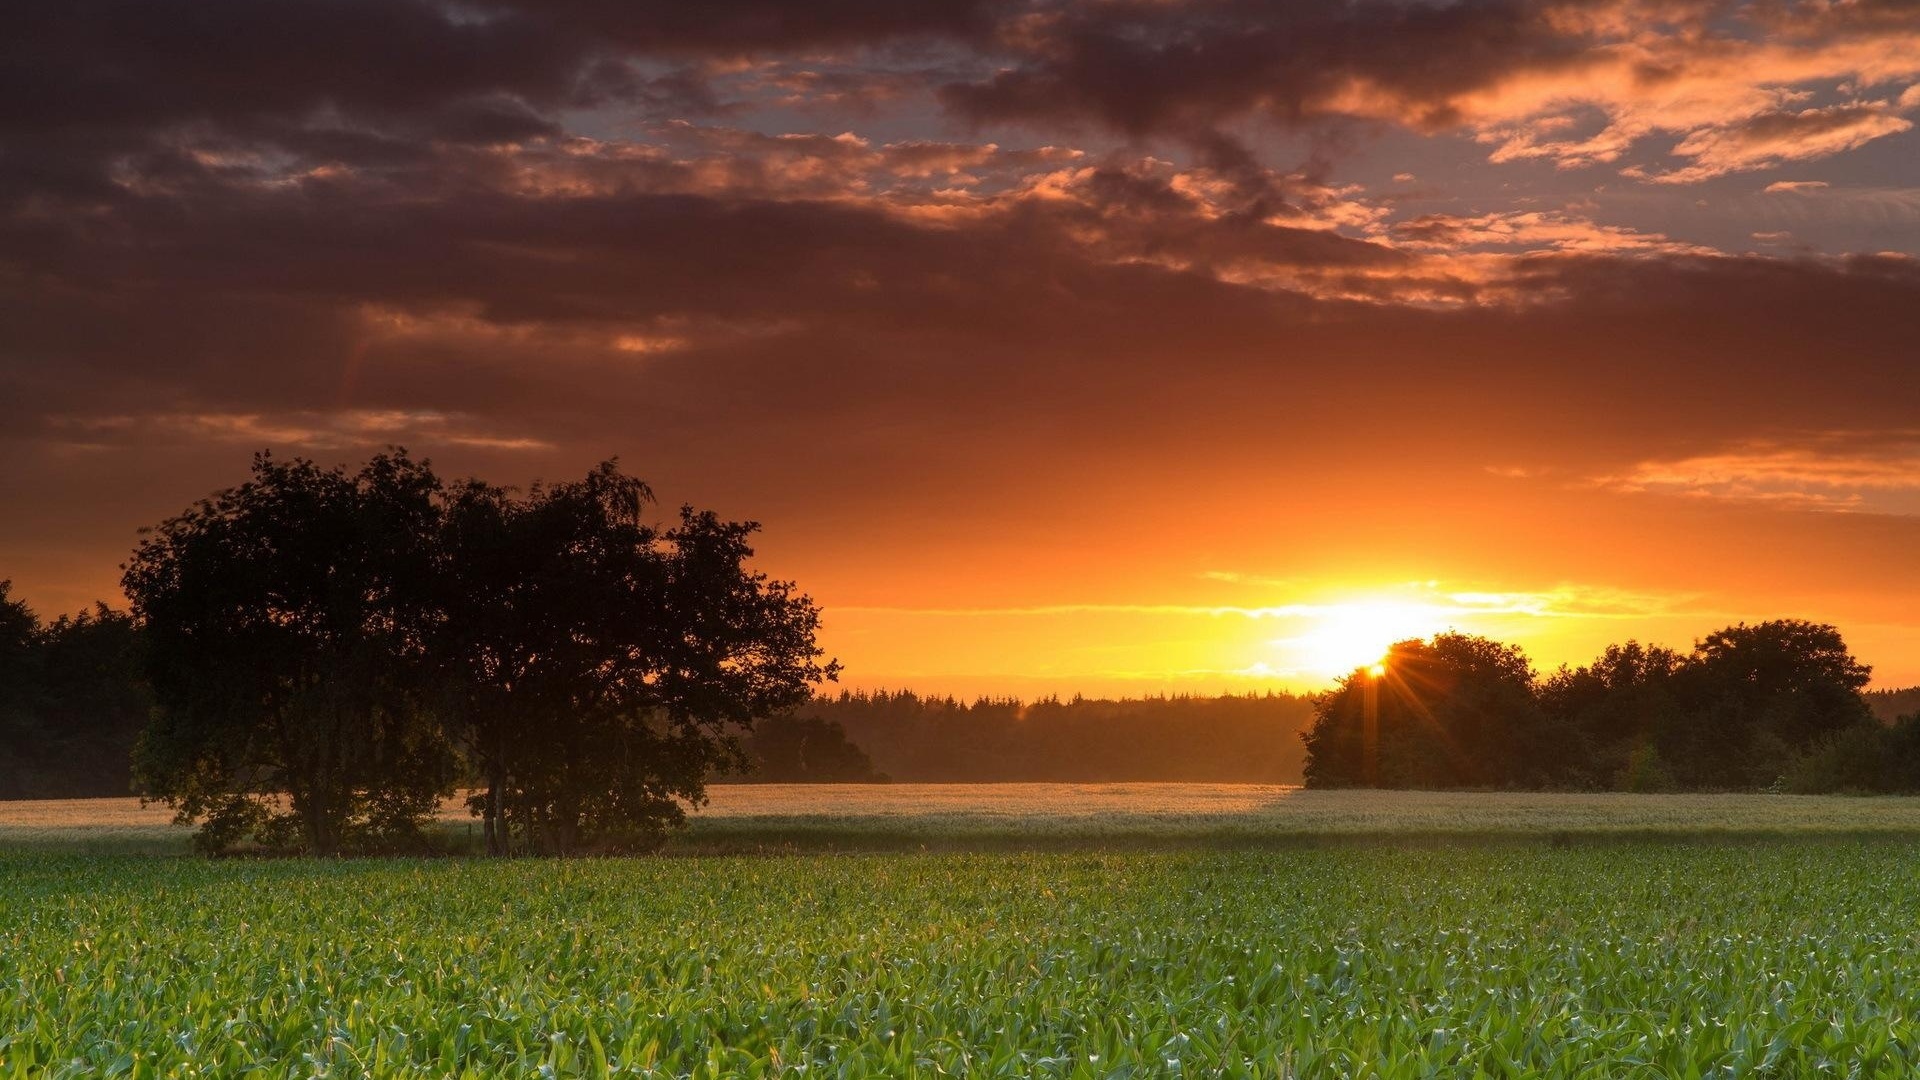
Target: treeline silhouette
(1253,738)
(73,699)
(314,659)
(1776,705)
(1891,705)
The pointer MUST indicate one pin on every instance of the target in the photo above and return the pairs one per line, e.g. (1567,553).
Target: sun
(1345,636)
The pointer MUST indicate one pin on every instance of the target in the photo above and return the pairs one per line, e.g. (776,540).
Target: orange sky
(1060,347)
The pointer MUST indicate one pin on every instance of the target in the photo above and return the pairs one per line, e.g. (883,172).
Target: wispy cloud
(1433,599)
(1794,187)
(1774,138)
(298,430)
(1831,471)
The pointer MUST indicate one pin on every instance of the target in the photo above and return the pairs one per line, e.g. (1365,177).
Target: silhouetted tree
(1900,746)
(72,702)
(1456,711)
(20,734)
(1618,709)
(285,624)
(807,750)
(94,703)
(1748,707)
(596,663)
(1756,697)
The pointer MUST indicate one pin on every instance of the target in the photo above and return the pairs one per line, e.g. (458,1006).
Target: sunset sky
(1113,347)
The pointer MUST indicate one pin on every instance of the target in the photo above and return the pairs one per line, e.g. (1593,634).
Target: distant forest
(1251,738)
(1891,705)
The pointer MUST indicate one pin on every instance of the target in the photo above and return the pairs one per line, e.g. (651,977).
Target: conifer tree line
(1228,738)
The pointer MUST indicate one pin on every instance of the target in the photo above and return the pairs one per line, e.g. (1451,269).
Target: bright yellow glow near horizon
(1351,635)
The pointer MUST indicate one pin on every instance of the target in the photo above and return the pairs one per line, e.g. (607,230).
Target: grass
(911,817)
(1044,930)
(1610,960)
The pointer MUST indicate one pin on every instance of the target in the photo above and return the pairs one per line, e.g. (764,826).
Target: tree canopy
(596,663)
(331,650)
(1749,706)
(73,699)
(287,621)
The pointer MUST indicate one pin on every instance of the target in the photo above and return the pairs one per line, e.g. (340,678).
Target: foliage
(595,664)
(1862,758)
(1614,710)
(807,750)
(1758,696)
(286,622)
(1458,711)
(1681,960)
(1644,771)
(20,737)
(72,701)
(1853,760)
(324,646)
(1891,705)
(1749,707)
(96,701)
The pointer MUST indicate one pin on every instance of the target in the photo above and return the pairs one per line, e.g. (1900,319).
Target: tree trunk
(496,829)
(318,822)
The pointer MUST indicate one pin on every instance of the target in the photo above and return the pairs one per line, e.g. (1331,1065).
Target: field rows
(1631,959)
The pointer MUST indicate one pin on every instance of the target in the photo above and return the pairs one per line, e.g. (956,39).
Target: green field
(1613,960)
(1244,931)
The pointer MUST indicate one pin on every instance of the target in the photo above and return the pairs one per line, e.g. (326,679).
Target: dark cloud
(85,86)
(431,289)
(738,27)
(196,187)
(1157,68)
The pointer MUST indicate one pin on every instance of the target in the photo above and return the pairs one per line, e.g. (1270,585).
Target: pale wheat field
(911,816)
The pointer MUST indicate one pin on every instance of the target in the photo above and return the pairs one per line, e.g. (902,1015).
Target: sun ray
(1345,636)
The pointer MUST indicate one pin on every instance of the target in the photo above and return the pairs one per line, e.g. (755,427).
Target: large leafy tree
(1455,711)
(595,665)
(1619,710)
(286,621)
(1757,696)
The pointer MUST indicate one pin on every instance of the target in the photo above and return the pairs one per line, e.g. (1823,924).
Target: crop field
(960,817)
(996,930)
(1632,958)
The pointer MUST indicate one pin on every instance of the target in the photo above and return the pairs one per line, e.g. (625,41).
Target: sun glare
(1346,636)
